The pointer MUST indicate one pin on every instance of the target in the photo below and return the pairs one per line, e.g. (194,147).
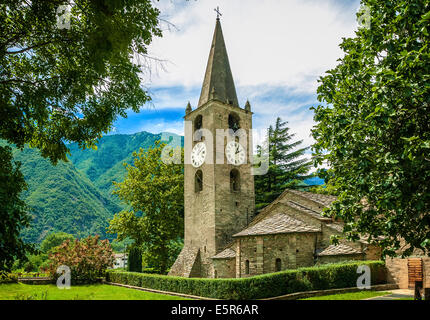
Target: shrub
(150,270)
(35,262)
(87,259)
(23,274)
(257,287)
(8,277)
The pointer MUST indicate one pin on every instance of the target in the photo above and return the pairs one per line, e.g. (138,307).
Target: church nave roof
(276,224)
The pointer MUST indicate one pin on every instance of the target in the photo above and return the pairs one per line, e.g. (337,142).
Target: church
(223,237)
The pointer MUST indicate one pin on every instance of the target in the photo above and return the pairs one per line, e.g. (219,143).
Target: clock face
(198,155)
(235,153)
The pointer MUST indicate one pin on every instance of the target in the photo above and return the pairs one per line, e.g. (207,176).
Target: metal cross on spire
(218,14)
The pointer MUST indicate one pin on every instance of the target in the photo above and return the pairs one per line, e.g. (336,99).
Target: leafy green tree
(287,166)
(13,211)
(373,128)
(121,246)
(70,84)
(35,262)
(154,191)
(54,240)
(326,188)
(60,85)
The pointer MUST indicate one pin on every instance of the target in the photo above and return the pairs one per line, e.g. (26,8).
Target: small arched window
(198,181)
(215,274)
(233,121)
(247,267)
(234,180)
(278,265)
(198,122)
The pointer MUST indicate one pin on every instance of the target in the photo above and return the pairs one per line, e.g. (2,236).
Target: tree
(134,259)
(60,85)
(287,166)
(13,211)
(69,84)
(374,128)
(54,240)
(154,191)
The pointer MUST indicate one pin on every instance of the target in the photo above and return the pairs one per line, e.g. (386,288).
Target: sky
(277,50)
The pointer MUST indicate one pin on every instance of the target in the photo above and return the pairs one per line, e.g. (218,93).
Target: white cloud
(160,125)
(281,43)
(277,51)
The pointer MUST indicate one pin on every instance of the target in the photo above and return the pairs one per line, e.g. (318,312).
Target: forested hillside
(61,199)
(104,165)
(75,196)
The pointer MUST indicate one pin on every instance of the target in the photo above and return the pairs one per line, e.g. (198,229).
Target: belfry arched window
(233,121)
(278,265)
(198,181)
(234,180)
(198,122)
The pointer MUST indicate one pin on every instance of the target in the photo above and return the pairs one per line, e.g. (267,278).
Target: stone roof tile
(218,81)
(340,249)
(225,254)
(323,199)
(276,224)
(309,211)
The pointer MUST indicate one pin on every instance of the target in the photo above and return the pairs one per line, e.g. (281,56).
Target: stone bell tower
(218,191)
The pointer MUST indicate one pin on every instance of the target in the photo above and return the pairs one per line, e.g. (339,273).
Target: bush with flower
(87,259)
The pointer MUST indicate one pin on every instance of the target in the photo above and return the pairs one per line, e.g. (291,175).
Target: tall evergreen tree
(134,260)
(287,166)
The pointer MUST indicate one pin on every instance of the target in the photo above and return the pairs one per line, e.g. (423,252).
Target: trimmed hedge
(8,277)
(323,277)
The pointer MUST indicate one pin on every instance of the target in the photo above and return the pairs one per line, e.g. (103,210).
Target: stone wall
(247,250)
(398,271)
(233,209)
(199,206)
(215,213)
(373,252)
(295,250)
(426,272)
(224,268)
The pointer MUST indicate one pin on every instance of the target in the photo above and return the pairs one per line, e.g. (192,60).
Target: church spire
(218,82)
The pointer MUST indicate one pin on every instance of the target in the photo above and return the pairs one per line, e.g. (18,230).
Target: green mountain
(75,196)
(104,165)
(62,199)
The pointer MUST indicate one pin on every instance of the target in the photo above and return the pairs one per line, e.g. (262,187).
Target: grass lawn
(350,296)
(19,291)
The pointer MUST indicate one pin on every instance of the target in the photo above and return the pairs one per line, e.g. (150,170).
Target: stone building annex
(223,238)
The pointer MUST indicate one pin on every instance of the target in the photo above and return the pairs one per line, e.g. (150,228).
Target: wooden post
(418,287)
(427,294)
